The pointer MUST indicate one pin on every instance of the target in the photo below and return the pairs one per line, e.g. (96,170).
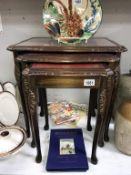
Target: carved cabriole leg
(46,127)
(25,87)
(110,113)
(44,106)
(89,127)
(110,85)
(41,101)
(102,96)
(18,76)
(33,111)
(92,106)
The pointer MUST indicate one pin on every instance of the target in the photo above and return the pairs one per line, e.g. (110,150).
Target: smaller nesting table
(93,76)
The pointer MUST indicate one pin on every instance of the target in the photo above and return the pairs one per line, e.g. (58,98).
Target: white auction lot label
(89,82)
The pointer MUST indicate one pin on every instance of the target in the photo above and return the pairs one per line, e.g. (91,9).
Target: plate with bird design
(72,21)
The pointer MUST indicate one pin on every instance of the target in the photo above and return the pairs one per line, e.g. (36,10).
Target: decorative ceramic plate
(8,86)
(9,110)
(71,21)
(11,140)
(1,88)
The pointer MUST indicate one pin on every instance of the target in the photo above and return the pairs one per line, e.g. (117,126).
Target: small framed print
(67,146)
(66,151)
(77,2)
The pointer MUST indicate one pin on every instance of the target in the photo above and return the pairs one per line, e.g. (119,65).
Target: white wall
(22,19)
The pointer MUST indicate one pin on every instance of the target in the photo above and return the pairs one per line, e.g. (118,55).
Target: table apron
(67,82)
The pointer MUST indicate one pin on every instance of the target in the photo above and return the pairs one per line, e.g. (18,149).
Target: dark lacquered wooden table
(46,50)
(92,76)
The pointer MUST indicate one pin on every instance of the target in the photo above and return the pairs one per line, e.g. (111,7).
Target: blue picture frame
(67,162)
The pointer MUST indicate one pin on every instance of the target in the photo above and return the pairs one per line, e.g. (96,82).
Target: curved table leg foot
(41,113)
(101,144)
(46,127)
(38,158)
(94,160)
(106,138)
(89,127)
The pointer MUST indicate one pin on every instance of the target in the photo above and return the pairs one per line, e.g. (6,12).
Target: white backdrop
(22,19)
